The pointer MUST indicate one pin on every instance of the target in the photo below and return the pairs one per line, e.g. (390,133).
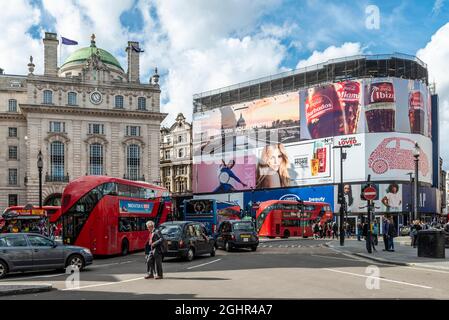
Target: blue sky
(199,45)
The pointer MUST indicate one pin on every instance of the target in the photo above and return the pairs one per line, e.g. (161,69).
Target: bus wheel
(125,247)
(271,237)
(286,234)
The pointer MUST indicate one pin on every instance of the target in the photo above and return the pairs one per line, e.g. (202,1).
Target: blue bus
(210,212)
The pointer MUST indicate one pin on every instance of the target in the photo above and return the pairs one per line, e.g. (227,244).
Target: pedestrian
(335,230)
(359,231)
(316,230)
(153,250)
(392,233)
(416,227)
(375,232)
(320,230)
(385,224)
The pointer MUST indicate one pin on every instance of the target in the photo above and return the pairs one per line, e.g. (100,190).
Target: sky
(200,45)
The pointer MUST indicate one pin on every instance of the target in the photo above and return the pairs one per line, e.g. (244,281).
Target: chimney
(133,51)
(51,54)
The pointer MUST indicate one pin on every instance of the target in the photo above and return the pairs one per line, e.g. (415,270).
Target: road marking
(317,255)
(109,264)
(33,277)
(383,279)
(103,284)
(200,265)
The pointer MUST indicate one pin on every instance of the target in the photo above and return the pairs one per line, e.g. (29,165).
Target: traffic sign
(369,193)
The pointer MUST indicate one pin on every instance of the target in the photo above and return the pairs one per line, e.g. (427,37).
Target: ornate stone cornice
(12,116)
(57,136)
(133,140)
(35,108)
(96,138)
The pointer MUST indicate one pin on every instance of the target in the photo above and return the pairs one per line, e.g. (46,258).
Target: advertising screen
(365,106)
(127,206)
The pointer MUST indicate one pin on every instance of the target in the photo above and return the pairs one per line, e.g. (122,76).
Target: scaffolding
(349,68)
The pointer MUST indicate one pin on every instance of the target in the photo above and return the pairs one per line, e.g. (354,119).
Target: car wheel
(3,269)
(190,254)
(76,261)
(125,247)
(253,248)
(286,234)
(227,246)
(212,253)
(380,166)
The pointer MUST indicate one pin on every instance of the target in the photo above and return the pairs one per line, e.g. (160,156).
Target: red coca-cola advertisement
(416,112)
(349,95)
(380,109)
(324,114)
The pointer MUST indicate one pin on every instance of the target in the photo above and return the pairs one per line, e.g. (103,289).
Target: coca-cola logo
(382,92)
(348,91)
(318,104)
(416,100)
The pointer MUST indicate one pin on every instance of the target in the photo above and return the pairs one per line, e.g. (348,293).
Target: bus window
(110,188)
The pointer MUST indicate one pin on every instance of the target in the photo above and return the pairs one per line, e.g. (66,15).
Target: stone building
(87,116)
(176,160)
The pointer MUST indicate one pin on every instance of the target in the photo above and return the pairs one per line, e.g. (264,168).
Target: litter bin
(431,244)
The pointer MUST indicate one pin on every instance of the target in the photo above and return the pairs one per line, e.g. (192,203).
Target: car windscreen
(242,226)
(170,231)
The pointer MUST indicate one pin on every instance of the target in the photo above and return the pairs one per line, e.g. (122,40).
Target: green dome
(83,54)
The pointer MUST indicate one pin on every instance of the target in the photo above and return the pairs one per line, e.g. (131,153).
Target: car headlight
(87,251)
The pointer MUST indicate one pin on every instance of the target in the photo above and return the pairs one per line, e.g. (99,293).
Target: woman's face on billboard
(274,158)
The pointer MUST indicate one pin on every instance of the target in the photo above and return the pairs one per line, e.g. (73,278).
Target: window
(119,101)
(12,152)
(12,105)
(56,126)
(133,131)
(167,154)
(38,241)
(12,177)
(141,103)
(48,97)
(168,185)
(96,128)
(57,159)
(71,99)
(12,132)
(12,200)
(16,241)
(180,153)
(179,139)
(133,161)
(96,159)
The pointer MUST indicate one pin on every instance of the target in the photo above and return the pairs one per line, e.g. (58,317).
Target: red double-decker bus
(283,218)
(108,215)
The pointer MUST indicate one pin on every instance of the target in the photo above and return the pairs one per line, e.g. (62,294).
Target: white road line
(200,265)
(33,277)
(109,264)
(102,284)
(382,279)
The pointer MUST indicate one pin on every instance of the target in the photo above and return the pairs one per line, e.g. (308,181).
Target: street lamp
(416,153)
(410,205)
(341,197)
(40,165)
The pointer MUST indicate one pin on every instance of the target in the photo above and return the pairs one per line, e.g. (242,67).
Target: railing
(52,178)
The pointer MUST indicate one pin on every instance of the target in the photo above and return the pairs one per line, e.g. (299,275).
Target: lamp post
(410,206)
(416,153)
(341,197)
(40,165)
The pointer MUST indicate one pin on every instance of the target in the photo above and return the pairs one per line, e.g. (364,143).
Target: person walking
(416,227)
(153,250)
(359,231)
(392,233)
(335,230)
(375,233)
(385,224)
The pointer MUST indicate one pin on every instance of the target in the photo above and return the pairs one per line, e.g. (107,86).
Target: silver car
(30,252)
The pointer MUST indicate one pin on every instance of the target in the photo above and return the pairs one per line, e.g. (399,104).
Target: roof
(83,54)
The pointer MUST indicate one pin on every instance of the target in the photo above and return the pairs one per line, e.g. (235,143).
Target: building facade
(87,117)
(176,160)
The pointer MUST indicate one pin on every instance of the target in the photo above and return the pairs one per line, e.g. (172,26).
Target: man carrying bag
(153,251)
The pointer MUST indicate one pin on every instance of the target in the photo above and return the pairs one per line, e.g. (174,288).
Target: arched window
(12,105)
(133,162)
(119,101)
(96,159)
(142,103)
(71,98)
(48,97)
(57,159)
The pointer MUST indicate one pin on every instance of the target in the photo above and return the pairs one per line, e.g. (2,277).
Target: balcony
(51,178)
(134,178)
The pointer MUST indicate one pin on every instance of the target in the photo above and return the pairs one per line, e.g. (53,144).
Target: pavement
(16,289)
(404,254)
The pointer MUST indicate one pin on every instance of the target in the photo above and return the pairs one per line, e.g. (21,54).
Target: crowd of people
(31,226)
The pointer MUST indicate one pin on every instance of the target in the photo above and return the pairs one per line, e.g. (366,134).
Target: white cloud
(332,52)
(436,55)
(16,45)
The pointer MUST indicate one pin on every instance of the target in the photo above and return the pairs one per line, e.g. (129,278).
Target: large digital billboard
(366,106)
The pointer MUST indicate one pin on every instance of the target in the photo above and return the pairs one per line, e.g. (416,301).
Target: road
(291,268)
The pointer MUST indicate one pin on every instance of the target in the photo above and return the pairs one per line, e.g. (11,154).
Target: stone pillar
(51,54)
(133,61)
